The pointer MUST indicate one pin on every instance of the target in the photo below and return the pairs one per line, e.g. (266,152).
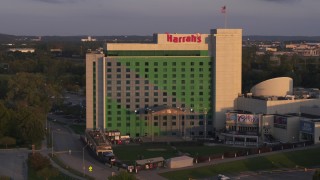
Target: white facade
(227,54)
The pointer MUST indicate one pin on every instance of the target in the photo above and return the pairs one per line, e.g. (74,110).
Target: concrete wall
(291,133)
(90,59)
(317,133)
(227,51)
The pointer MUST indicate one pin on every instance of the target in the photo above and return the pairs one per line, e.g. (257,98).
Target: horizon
(142,17)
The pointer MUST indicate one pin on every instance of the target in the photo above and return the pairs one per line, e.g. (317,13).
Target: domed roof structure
(279,87)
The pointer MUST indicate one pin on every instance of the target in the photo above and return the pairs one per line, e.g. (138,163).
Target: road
(13,163)
(64,140)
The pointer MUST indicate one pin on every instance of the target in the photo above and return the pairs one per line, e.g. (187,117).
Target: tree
(38,162)
(316,175)
(48,172)
(4,120)
(7,141)
(30,122)
(123,175)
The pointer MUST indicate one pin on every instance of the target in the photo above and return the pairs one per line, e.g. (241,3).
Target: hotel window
(165,63)
(174,63)
(137,88)
(183,81)
(128,106)
(109,124)
(155,100)
(201,63)
(174,123)
(165,93)
(146,81)
(155,69)
(174,99)
(137,82)
(155,81)
(165,76)
(192,63)
(118,69)
(127,70)
(146,88)
(137,94)
(118,100)
(192,69)
(137,64)
(109,88)
(137,76)
(146,99)
(164,124)
(127,100)
(183,63)
(156,76)
(164,81)
(137,70)
(183,69)
(109,76)
(174,81)
(108,63)
(146,69)
(109,94)
(109,82)
(183,75)
(118,88)
(200,69)
(174,69)
(119,76)
(164,100)
(118,124)
(118,94)
(200,75)
(127,81)
(200,93)
(127,63)
(118,64)
(119,106)
(155,63)
(146,64)
(174,75)
(155,94)
(128,94)
(174,87)
(192,75)
(127,75)
(109,70)
(137,100)
(155,123)
(146,94)
(128,88)
(146,76)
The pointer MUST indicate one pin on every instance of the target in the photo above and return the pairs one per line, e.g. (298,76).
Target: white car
(223,177)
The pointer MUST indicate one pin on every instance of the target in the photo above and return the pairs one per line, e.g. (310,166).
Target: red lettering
(169,38)
(191,38)
(199,39)
(175,39)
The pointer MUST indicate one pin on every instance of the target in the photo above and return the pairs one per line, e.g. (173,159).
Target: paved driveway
(13,163)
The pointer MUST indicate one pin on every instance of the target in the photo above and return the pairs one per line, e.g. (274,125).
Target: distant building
(89,39)
(23,50)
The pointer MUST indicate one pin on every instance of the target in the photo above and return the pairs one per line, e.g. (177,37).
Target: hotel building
(179,85)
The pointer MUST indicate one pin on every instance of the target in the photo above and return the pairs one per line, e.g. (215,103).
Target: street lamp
(205,123)
(83,167)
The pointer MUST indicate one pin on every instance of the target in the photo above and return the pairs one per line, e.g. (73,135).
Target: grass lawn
(79,129)
(33,175)
(302,158)
(130,153)
(206,150)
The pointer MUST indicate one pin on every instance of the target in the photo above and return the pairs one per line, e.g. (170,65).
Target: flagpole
(225,20)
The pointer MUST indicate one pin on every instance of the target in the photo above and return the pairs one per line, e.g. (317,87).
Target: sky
(145,17)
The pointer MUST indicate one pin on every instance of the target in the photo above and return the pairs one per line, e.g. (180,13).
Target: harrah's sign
(195,38)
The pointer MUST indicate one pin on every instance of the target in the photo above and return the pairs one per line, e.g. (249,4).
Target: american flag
(223,9)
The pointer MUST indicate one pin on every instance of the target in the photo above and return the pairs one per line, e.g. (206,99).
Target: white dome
(281,86)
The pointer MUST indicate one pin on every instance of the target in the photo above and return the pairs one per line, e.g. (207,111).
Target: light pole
(51,142)
(83,167)
(205,123)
